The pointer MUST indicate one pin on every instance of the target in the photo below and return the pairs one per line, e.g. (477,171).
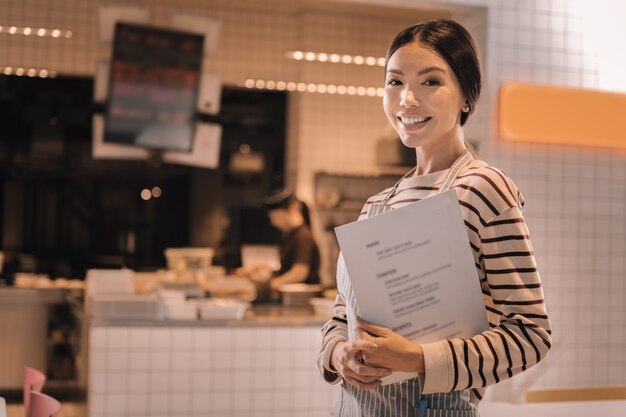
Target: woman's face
(280,218)
(423,99)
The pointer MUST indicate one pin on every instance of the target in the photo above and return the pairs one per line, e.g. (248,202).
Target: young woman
(299,254)
(432,83)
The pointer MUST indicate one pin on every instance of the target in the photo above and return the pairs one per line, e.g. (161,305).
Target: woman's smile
(423,98)
(413,122)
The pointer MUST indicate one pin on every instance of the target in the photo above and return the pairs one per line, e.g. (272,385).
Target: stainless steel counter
(260,315)
(39,296)
(24,327)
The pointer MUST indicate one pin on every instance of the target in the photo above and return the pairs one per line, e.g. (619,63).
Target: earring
(466,107)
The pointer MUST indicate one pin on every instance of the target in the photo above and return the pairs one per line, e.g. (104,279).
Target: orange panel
(564,116)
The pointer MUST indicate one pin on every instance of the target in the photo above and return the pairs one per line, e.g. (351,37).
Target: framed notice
(153,87)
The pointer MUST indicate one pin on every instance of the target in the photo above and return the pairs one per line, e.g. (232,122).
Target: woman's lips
(413,122)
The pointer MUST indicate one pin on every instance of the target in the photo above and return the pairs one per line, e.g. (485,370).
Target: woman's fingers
(353,370)
(371,328)
(367,373)
(362,385)
(362,376)
(364,346)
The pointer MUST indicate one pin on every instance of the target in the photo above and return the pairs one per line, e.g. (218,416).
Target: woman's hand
(259,272)
(394,351)
(346,359)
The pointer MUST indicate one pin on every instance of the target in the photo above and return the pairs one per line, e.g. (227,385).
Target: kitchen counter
(258,315)
(262,365)
(16,295)
(24,315)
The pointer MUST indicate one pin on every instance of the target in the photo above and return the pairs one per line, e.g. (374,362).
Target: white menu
(412,270)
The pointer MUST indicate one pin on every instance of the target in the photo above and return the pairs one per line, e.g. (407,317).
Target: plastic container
(323,307)
(222,309)
(185,259)
(298,295)
(182,311)
(127,307)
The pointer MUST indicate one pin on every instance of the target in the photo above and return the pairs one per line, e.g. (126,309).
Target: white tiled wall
(576,199)
(200,371)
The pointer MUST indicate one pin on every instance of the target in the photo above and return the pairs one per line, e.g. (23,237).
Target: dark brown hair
(282,199)
(455,45)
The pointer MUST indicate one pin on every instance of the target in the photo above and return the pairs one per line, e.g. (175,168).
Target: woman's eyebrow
(430,69)
(421,72)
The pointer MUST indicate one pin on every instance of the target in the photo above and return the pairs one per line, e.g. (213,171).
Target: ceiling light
(335,58)
(31,72)
(302,87)
(26,31)
(145,194)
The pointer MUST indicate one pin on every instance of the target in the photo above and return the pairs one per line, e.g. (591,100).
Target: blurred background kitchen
(288,95)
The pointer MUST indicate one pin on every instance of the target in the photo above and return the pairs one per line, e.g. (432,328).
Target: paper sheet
(412,270)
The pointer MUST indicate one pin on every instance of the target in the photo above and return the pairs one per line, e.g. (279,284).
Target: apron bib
(465,158)
(354,402)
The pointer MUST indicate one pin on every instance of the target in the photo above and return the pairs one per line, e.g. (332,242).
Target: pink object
(33,381)
(42,405)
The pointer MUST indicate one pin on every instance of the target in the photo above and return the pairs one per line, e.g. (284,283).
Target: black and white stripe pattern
(459,370)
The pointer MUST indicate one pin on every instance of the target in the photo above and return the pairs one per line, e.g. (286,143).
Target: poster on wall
(153,87)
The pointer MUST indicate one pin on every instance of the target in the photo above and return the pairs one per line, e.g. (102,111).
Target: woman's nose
(408,99)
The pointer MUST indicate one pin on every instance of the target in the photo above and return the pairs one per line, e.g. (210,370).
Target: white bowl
(222,309)
(323,307)
(297,294)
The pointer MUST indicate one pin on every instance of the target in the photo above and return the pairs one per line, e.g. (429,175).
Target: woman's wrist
(416,359)
(331,367)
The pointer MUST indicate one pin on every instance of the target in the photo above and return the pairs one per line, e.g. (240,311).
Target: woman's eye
(432,82)
(394,82)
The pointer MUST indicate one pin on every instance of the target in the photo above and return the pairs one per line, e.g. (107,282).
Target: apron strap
(465,158)
(395,186)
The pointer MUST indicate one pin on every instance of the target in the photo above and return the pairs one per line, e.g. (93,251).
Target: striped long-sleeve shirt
(519,334)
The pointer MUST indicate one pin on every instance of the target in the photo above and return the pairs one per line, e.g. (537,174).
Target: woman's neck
(439,155)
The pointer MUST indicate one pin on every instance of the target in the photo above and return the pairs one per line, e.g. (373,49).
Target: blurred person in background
(299,253)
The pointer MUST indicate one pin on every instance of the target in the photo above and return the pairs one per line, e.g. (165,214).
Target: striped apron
(402,399)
